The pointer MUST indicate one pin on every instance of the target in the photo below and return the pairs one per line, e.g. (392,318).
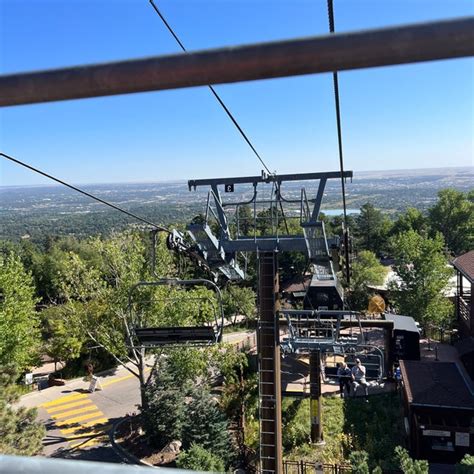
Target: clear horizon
(51,183)
(417,116)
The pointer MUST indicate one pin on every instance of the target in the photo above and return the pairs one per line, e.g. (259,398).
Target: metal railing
(22,464)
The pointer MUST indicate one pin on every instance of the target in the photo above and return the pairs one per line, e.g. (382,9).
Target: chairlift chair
(179,335)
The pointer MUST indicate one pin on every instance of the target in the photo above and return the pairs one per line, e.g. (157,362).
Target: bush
(359,462)
(199,459)
(408,465)
(466,466)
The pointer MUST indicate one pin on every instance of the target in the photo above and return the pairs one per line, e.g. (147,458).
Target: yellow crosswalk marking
(88,434)
(87,425)
(66,399)
(77,419)
(91,442)
(83,401)
(76,411)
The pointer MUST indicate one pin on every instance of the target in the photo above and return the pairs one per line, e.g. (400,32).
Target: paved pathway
(77,422)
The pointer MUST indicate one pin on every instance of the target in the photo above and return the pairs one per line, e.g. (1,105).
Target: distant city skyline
(417,116)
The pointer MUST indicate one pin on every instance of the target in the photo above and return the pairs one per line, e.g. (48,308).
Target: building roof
(402,323)
(436,384)
(465,264)
(296,284)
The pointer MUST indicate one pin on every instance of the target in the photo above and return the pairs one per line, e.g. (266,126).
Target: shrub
(199,459)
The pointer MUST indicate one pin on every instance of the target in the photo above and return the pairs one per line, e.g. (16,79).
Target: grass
(348,425)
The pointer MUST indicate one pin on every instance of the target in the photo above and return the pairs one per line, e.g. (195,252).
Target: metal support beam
(319,199)
(329,53)
(269,376)
(220,213)
(278,178)
(315,396)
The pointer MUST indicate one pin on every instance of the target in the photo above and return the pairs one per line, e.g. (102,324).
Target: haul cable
(216,95)
(98,199)
(339,139)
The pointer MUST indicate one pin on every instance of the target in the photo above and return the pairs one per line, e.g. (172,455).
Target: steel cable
(339,139)
(216,95)
(85,193)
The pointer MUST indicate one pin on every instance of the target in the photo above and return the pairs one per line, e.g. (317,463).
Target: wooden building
(439,410)
(464,266)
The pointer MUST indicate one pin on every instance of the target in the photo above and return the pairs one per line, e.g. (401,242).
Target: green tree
(453,216)
(421,265)
(19,322)
(165,407)
(197,458)
(372,229)
(20,433)
(246,221)
(359,462)
(412,219)
(206,425)
(238,300)
(63,341)
(408,465)
(366,270)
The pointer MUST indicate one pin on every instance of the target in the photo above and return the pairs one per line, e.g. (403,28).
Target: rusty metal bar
(336,52)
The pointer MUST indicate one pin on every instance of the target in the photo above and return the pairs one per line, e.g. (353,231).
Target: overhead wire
(213,91)
(85,193)
(339,140)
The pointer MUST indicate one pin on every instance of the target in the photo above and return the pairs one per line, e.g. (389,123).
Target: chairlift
(179,335)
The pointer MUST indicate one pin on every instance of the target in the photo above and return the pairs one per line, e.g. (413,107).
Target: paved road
(78,422)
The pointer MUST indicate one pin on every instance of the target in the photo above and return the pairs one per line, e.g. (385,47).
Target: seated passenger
(344,374)
(358,378)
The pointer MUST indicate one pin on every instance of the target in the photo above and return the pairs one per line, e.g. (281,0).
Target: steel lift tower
(222,250)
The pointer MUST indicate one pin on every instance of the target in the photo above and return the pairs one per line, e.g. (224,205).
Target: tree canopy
(453,216)
(422,266)
(19,322)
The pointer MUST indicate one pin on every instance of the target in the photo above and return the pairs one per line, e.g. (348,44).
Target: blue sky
(414,116)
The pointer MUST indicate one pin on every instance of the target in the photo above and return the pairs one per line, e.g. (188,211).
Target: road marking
(91,442)
(80,418)
(66,399)
(66,414)
(110,382)
(87,425)
(84,401)
(78,436)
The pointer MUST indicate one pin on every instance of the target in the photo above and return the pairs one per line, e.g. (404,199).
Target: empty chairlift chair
(180,335)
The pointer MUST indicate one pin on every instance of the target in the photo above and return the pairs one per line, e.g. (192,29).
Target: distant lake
(337,212)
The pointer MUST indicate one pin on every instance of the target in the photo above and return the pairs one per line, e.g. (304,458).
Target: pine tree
(206,425)
(20,434)
(165,408)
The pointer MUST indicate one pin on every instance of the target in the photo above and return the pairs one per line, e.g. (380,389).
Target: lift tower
(267,232)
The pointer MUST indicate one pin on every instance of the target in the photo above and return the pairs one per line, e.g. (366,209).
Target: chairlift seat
(194,335)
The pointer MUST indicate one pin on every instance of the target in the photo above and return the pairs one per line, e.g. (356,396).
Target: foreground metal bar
(23,464)
(336,52)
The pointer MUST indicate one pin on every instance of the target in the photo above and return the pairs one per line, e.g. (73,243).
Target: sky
(397,117)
